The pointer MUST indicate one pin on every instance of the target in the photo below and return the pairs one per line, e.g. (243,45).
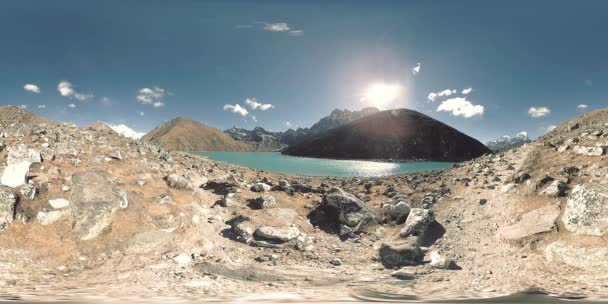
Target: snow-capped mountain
(506,142)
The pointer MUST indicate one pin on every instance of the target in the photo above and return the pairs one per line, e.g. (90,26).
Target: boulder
(588,151)
(536,221)
(93,204)
(260,187)
(8,200)
(28,191)
(396,212)
(418,222)
(15,174)
(265,201)
(353,215)
(21,153)
(586,211)
(50,217)
(556,188)
(441,262)
(178,181)
(278,234)
(521,178)
(588,258)
(401,253)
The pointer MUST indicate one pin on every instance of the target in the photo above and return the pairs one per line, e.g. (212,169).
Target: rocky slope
(188,135)
(506,142)
(267,140)
(394,134)
(87,214)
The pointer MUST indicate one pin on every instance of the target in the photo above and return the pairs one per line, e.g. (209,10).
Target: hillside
(12,114)
(188,135)
(394,134)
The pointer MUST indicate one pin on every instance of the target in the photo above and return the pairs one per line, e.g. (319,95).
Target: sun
(382,94)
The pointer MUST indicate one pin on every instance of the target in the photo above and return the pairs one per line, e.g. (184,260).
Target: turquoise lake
(278,163)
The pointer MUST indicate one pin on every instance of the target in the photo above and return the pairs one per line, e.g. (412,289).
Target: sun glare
(382,94)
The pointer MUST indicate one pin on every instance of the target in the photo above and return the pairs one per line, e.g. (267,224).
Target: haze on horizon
(486,68)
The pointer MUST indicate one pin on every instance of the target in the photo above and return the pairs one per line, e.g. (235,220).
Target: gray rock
(260,187)
(353,215)
(586,211)
(279,234)
(556,188)
(396,212)
(401,253)
(66,148)
(418,222)
(441,262)
(20,153)
(521,178)
(59,203)
(265,201)
(178,181)
(28,191)
(93,204)
(588,151)
(588,258)
(8,200)
(536,221)
(50,217)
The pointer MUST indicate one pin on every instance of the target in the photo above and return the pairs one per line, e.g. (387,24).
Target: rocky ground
(87,214)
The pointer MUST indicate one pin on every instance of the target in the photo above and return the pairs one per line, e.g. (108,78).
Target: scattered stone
(178,181)
(15,174)
(260,187)
(589,151)
(335,262)
(265,201)
(21,153)
(50,217)
(116,155)
(586,211)
(521,178)
(396,212)
(279,234)
(28,191)
(8,200)
(93,203)
(183,259)
(401,253)
(483,201)
(556,188)
(536,221)
(569,171)
(441,262)
(417,222)
(59,203)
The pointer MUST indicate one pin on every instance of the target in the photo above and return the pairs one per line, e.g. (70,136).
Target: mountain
(506,142)
(13,115)
(400,134)
(267,140)
(188,135)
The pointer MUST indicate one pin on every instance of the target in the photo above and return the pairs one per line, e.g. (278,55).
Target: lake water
(279,163)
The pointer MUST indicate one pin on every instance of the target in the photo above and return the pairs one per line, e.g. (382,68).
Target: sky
(487,68)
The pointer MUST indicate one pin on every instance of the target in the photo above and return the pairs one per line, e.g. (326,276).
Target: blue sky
(530,64)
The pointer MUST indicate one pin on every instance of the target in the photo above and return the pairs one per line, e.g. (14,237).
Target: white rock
(15,174)
(586,211)
(59,203)
(182,259)
(49,217)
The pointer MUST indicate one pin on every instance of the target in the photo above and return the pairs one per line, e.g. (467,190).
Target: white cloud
(445,93)
(582,106)
(105,101)
(550,128)
(66,89)
(23,107)
(277,27)
(467,91)
(522,134)
(255,105)
(140,113)
(32,88)
(296,33)
(153,96)
(416,69)
(539,112)
(236,109)
(254,118)
(288,124)
(71,106)
(41,106)
(460,106)
(126,131)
